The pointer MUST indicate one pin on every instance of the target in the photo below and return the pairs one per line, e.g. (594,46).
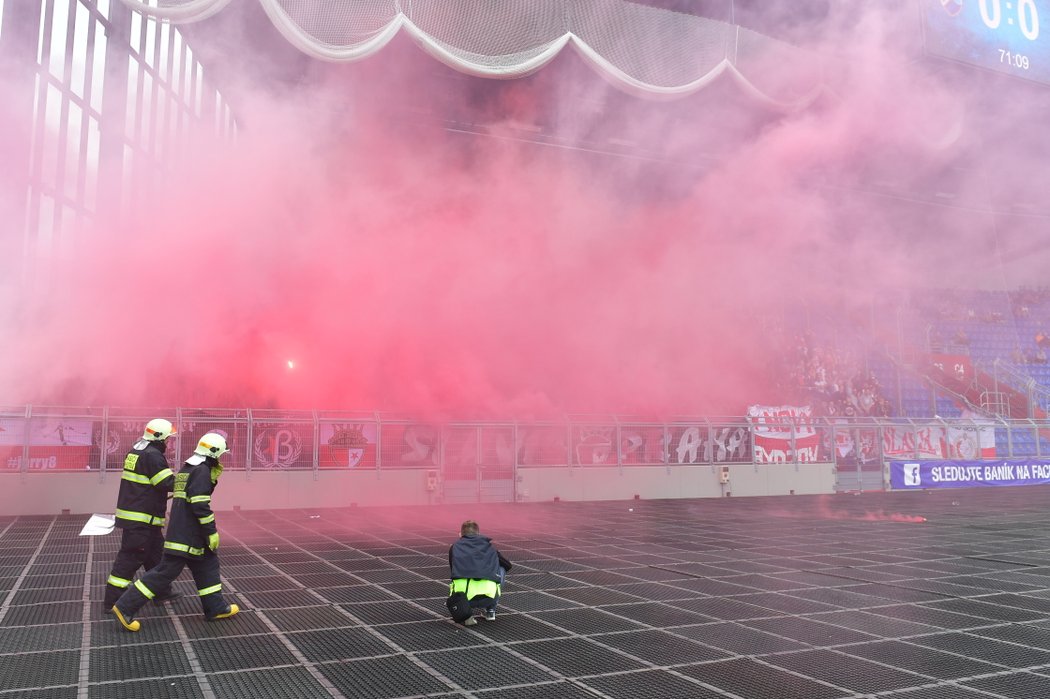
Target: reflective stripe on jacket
(191,520)
(145,483)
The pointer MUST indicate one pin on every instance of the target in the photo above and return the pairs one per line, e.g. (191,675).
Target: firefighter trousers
(140,547)
(205,571)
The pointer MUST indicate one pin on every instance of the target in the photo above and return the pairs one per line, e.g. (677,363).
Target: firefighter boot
(233,609)
(127,622)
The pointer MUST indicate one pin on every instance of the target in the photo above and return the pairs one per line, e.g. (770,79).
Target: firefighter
(145,485)
(192,539)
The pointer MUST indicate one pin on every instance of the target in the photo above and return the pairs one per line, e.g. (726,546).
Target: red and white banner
(349,445)
(855,443)
(935,441)
(971,441)
(55,444)
(774,427)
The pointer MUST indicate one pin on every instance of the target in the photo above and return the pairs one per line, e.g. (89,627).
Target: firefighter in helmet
(192,539)
(145,485)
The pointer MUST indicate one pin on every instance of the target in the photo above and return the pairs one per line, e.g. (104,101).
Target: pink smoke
(401,266)
(824,510)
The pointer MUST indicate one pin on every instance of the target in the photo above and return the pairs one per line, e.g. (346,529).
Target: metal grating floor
(807,597)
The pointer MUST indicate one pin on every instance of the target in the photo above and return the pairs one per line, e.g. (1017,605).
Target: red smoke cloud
(402,266)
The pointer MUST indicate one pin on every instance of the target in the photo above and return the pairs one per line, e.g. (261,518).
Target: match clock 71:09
(1000,35)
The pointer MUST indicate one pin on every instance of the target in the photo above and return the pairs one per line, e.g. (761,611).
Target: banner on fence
(855,445)
(971,441)
(282,445)
(703,444)
(935,441)
(347,445)
(645,444)
(55,443)
(774,428)
(915,475)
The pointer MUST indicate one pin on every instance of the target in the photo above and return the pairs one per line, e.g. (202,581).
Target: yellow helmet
(157,430)
(212,444)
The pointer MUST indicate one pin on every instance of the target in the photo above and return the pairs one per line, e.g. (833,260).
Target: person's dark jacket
(192,520)
(145,483)
(475,558)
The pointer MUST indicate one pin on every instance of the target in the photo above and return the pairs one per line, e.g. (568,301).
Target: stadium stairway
(1014,404)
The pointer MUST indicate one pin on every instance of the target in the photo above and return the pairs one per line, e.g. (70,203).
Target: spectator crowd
(833,380)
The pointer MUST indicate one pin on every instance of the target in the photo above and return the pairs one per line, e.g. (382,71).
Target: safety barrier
(46,438)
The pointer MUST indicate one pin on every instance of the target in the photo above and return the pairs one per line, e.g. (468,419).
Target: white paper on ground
(97,525)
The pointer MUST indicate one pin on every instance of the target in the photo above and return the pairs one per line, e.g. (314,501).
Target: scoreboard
(1007,36)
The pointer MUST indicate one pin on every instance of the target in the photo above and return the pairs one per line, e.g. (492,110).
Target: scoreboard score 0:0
(1007,36)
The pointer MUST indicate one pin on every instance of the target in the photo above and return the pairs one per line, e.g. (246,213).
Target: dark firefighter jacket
(144,486)
(191,521)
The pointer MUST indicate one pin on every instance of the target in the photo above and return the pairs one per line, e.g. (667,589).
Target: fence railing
(48,438)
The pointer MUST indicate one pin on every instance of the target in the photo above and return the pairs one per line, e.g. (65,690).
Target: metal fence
(47,438)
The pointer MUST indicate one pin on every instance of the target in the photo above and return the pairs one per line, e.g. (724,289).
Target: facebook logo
(911,474)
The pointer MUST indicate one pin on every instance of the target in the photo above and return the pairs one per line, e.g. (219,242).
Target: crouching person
(192,539)
(477,569)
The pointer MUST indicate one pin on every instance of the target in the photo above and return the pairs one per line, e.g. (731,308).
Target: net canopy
(645,50)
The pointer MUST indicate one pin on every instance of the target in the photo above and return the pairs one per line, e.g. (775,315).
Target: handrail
(936,385)
(1021,377)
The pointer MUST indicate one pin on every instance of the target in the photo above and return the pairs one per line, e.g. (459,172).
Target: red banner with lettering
(784,432)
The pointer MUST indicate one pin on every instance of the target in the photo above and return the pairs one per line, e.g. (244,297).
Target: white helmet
(157,430)
(211,444)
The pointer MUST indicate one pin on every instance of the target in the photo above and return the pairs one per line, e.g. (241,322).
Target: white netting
(644,49)
(501,39)
(336,30)
(178,10)
(648,48)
